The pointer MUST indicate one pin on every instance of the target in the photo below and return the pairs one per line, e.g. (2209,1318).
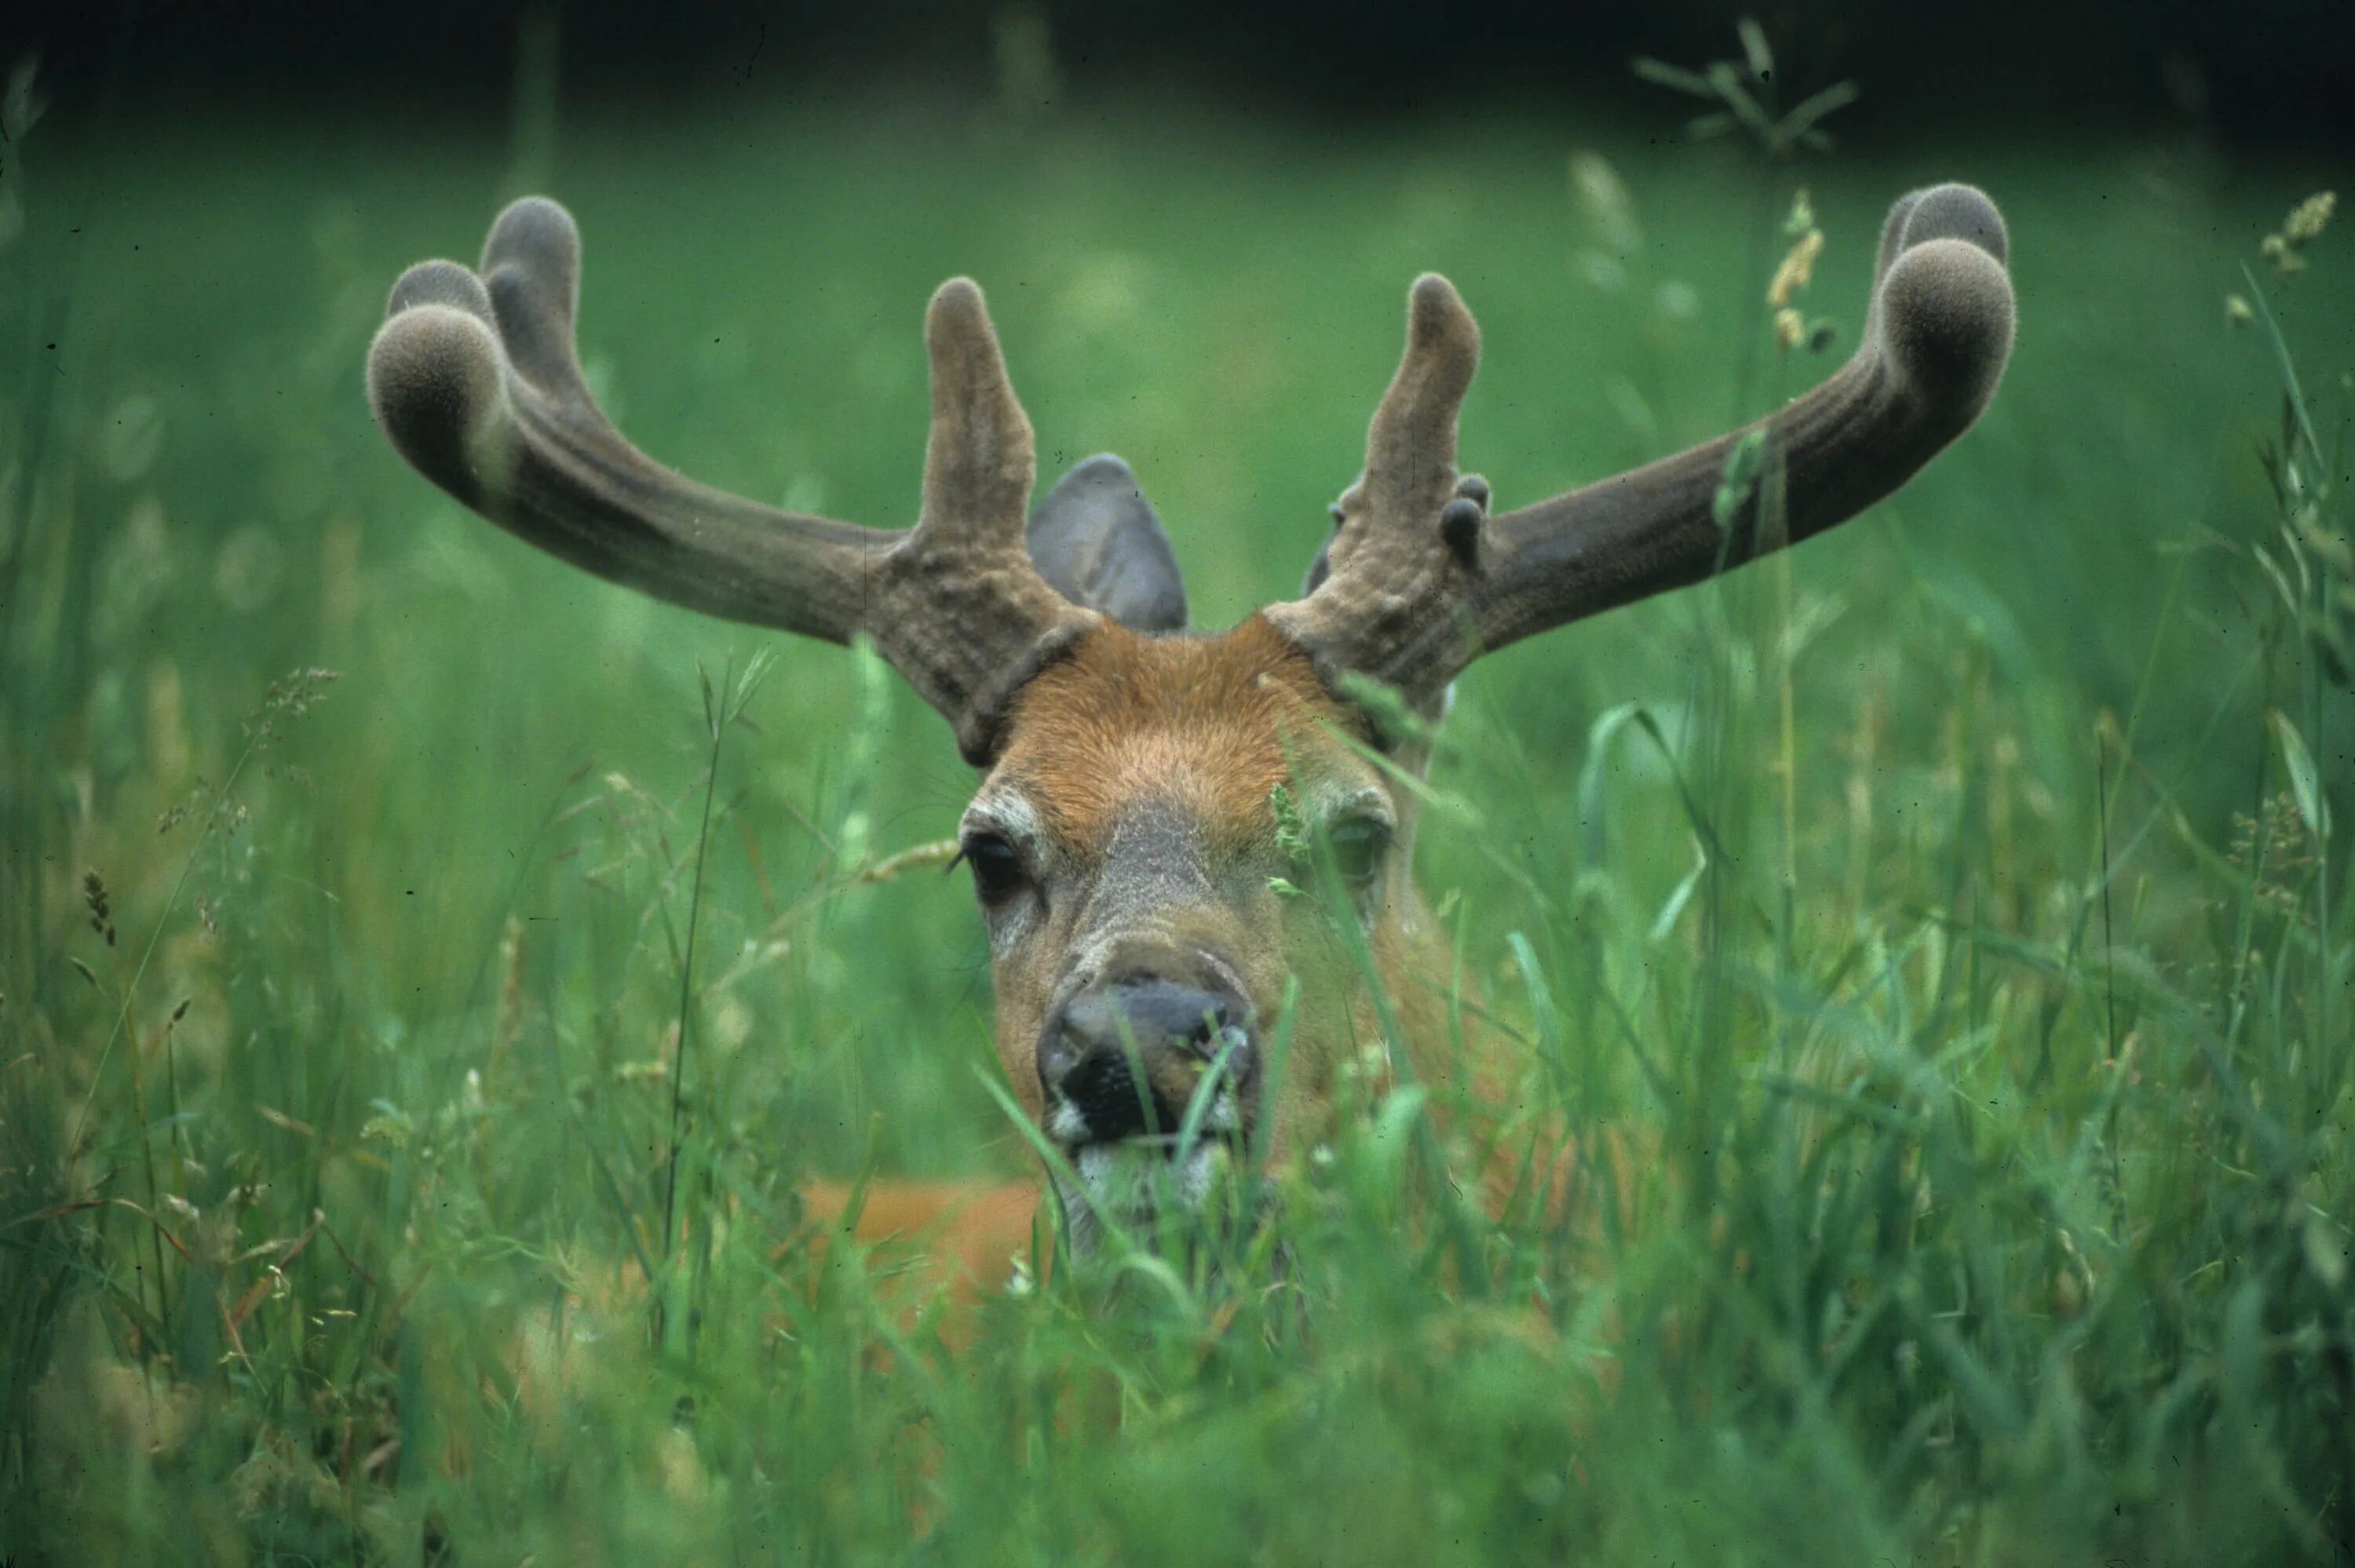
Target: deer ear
(1096,539)
(1320,569)
(1322,566)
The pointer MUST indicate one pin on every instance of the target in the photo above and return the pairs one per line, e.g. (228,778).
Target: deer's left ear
(1095,538)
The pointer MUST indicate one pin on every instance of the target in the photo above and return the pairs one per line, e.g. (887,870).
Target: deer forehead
(1129,729)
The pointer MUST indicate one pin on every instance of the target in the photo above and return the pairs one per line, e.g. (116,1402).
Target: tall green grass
(1952,918)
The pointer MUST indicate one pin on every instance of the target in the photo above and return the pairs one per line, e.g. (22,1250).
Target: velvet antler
(475,379)
(1421,581)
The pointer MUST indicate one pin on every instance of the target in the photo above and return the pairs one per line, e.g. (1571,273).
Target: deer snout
(1124,1059)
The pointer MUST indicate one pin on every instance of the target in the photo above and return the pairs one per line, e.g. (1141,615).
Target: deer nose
(1124,1059)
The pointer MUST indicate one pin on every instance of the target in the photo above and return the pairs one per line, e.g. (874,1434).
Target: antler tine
(985,620)
(1936,339)
(475,381)
(1410,445)
(978,464)
(531,269)
(1390,566)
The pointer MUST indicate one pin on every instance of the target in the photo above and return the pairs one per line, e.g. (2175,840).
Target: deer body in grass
(1148,793)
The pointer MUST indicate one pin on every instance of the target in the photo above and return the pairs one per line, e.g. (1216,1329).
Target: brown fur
(1125,710)
(1208,728)
(963,1235)
(1204,730)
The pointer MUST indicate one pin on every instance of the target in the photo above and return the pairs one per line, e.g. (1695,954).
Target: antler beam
(475,380)
(1416,593)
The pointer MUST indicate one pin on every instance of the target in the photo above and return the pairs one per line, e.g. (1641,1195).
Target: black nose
(1091,1059)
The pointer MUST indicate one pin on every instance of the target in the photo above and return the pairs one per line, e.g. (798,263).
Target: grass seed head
(101,917)
(1800,220)
(2304,226)
(2309,217)
(1799,268)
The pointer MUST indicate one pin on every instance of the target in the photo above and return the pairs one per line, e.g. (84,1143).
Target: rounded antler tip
(968,370)
(1432,291)
(538,210)
(958,296)
(1459,529)
(1954,211)
(1946,320)
(1436,314)
(539,237)
(956,322)
(433,375)
(439,283)
(1442,352)
(980,459)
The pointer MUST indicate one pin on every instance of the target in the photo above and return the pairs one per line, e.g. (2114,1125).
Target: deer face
(1143,893)
(1126,839)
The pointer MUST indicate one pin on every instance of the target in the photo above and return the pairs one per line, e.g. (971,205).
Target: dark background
(2254,69)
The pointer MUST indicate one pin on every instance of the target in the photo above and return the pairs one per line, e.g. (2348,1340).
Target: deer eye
(1357,845)
(997,873)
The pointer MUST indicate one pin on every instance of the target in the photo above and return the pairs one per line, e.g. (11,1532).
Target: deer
(1145,788)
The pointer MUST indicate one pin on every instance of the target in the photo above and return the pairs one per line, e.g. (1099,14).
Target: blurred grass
(1999,1211)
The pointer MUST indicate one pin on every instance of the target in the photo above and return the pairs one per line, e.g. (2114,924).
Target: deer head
(1144,788)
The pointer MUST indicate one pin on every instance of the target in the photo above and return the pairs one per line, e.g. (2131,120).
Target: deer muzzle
(1127,1061)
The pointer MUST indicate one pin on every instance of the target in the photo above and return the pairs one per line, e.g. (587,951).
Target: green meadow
(1954,910)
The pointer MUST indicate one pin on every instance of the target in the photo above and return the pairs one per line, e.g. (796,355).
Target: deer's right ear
(1096,539)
